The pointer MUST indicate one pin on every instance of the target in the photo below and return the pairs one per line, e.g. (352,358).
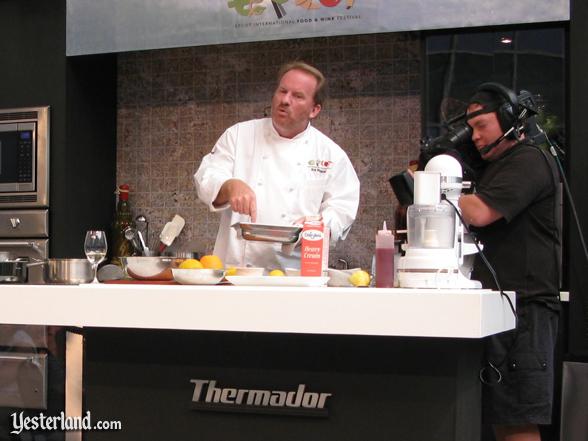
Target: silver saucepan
(14,270)
(66,271)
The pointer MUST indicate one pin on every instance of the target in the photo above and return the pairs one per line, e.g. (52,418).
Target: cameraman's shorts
(518,389)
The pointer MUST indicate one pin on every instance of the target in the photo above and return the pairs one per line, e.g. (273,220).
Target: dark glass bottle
(124,219)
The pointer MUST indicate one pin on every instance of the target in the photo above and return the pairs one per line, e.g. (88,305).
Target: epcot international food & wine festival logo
(249,8)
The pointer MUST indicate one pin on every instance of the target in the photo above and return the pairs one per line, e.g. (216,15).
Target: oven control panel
(24,164)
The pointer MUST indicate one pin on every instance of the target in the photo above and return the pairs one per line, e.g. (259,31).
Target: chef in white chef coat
(277,171)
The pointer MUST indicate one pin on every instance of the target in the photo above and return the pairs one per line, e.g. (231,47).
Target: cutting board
(141,282)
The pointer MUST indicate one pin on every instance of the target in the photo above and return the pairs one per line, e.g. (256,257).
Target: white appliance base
(439,279)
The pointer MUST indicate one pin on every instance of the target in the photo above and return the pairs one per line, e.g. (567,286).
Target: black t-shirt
(523,246)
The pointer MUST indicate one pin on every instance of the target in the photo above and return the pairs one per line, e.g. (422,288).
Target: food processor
(439,252)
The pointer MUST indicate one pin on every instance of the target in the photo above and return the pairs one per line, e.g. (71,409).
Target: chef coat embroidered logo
(319,165)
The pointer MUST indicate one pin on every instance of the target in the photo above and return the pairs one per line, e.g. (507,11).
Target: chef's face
(486,130)
(293,103)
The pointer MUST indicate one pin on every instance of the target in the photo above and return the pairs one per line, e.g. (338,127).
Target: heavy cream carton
(314,251)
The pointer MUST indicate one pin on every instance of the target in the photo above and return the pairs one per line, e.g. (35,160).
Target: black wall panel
(577,161)
(82,94)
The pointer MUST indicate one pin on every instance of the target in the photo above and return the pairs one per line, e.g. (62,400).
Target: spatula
(170,231)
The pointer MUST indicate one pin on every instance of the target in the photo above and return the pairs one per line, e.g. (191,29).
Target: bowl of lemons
(209,270)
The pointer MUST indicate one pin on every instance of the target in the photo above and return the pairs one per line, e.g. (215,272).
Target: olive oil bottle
(123,219)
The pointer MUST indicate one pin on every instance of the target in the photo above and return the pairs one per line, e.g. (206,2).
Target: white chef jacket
(306,175)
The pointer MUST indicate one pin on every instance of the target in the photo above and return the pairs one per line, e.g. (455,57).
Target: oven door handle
(20,243)
(29,358)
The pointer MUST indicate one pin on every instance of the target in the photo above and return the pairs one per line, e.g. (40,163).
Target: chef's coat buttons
(299,163)
(264,157)
(283,215)
(290,190)
(260,184)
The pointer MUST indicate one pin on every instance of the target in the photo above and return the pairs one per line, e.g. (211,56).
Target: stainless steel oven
(24,184)
(24,350)
(24,157)
(23,367)
(27,353)
(25,234)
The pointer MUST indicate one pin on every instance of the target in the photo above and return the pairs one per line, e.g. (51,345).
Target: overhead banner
(101,26)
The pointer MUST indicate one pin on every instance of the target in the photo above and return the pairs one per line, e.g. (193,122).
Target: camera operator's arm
(476,212)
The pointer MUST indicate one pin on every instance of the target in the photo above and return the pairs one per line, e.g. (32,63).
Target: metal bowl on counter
(150,267)
(197,276)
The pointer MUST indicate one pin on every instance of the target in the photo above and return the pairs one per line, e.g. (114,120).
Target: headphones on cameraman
(508,113)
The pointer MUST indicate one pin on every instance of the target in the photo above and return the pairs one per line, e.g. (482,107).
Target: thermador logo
(207,396)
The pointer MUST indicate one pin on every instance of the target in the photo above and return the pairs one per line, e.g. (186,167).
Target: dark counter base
(383,388)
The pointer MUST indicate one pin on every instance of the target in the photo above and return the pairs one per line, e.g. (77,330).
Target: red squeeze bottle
(384,258)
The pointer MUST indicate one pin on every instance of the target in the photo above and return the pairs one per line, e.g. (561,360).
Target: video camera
(457,140)
(455,136)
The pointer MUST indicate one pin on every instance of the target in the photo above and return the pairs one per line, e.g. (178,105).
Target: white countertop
(347,311)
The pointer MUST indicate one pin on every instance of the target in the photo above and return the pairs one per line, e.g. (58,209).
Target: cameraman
(514,214)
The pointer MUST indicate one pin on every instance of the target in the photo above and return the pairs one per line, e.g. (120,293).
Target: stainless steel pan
(14,271)
(268,233)
(66,271)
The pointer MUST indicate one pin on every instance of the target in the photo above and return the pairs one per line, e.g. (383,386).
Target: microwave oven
(24,157)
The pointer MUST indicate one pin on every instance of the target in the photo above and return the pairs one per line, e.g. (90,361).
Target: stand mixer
(439,252)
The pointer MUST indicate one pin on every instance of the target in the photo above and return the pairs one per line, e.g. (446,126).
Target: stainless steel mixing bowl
(150,268)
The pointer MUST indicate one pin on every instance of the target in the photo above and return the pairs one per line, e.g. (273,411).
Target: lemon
(276,272)
(231,271)
(211,262)
(191,264)
(360,278)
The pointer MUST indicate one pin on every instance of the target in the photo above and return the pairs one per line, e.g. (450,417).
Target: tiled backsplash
(173,104)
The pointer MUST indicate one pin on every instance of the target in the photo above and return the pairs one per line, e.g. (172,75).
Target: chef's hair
(319,93)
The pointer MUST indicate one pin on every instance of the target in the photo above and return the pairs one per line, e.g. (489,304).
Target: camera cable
(490,375)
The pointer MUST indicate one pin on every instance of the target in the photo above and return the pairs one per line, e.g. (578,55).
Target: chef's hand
(239,196)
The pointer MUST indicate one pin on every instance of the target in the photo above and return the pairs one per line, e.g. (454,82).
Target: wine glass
(95,247)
